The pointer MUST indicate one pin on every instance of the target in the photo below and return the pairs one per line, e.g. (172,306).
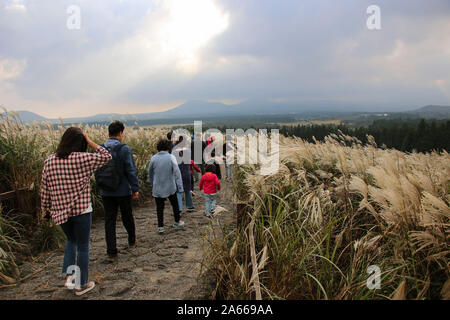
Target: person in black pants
(160,202)
(111,206)
(164,177)
(122,195)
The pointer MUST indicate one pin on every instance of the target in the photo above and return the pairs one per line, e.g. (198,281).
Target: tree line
(404,135)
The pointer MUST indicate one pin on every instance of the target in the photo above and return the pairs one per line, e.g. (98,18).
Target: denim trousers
(210,203)
(188,197)
(229,170)
(78,233)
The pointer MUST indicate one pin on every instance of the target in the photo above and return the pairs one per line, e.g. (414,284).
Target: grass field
(310,231)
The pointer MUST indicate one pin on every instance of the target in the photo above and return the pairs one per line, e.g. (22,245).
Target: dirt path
(160,267)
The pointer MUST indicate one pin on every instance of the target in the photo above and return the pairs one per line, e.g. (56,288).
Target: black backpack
(109,176)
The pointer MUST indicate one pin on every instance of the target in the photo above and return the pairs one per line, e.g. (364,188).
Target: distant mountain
(189,109)
(202,110)
(199,108)
(257,107)
(27,116)
(432,111)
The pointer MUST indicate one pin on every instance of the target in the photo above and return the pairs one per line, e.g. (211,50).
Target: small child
(210,184)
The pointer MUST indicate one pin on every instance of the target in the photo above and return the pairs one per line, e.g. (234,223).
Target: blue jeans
(78,233)
(188,197)
(210,203)
(229,170)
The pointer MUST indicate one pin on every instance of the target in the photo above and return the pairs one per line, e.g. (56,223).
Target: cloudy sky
(150,55)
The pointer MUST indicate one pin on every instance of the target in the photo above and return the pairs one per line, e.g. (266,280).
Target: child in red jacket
(210,184)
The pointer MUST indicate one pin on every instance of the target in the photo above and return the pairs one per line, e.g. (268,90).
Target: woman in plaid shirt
(66,198)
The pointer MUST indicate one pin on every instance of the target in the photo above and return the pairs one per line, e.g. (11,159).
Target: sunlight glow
(187,27)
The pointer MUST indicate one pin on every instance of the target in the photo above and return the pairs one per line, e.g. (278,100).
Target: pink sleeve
(194,166)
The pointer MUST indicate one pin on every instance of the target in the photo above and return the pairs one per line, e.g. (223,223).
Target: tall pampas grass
(333,209)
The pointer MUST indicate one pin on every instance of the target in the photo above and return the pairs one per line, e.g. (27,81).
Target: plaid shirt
(65,185)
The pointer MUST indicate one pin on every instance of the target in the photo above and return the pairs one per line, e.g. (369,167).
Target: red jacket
(210,183)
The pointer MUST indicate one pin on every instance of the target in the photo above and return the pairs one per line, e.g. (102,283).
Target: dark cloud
(317,49)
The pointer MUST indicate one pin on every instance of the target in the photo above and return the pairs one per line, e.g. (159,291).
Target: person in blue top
(121,197)
(165,179)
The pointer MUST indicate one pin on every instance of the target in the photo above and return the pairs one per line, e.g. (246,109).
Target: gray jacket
(164,175)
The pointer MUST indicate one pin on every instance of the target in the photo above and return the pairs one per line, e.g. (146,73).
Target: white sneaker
(89,287)
(69,282)
(179,224)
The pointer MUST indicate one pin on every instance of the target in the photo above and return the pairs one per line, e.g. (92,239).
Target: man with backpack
(118,184)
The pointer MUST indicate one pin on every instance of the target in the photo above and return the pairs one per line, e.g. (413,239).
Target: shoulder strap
(115,149)
(118,147)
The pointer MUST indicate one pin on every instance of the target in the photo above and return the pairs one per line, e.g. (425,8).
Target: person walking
(215,161)
(228,155)
(210,184)
(118,185)
(194,172)
(197,157)
(66,199)
(186,177)
(165,180)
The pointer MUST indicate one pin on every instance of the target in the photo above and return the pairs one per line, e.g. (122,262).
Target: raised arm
(100,157)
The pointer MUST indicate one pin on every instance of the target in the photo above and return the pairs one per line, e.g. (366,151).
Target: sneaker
(179,224)
(190,209)
(213,211)
(113,255)
(85,289)
(131,246)
(161,230)
(69,282)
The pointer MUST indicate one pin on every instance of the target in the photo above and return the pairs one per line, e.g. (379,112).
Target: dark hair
(210,168)
(169,135)
(115,128)
(180,139)
(73,140)
(164,145)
